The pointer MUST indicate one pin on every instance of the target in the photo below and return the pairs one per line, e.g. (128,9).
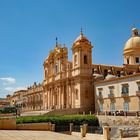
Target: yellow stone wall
(7,123)
(133,98)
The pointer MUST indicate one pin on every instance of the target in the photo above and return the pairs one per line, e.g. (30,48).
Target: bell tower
(82,72)
(82,56)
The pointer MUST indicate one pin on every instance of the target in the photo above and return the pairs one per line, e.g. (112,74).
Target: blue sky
(28,29)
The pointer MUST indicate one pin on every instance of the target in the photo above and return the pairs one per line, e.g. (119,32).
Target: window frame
(125,88)
(126,106)
(112,107)
(111,89)
(138,85)
(75,59)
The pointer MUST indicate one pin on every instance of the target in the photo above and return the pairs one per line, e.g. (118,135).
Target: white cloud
(8,80)
(9,89)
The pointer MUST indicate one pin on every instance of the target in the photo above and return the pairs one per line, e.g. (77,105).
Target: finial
(135,32)
(81,32)
(56,42)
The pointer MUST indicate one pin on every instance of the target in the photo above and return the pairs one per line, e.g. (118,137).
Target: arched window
(75,60)
(85,59)
(76,94)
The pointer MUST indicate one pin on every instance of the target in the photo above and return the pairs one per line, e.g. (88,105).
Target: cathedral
(80,84)
(69,84)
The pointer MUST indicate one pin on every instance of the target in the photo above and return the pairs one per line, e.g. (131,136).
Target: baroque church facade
(69,84)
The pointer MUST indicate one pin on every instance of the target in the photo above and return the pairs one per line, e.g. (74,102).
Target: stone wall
(35,126)
(118,120)
(7,123)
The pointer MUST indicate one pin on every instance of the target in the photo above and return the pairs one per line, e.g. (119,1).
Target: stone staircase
(70,111)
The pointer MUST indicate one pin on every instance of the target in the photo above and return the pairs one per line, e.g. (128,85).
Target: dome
(82,42)
(133,43)
(81,39)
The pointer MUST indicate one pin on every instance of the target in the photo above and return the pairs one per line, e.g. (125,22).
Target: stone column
(53,127)
(67,101)
(48,98)
(59,97)
(106,133)
(83,130)
(53,99)
(71,126)
(62,97)
(73,97)
(52,92)
(70,96)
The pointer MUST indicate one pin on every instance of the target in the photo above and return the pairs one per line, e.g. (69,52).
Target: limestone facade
(69,84)
(122,93)
(17,98)
(27,100)
(33,99)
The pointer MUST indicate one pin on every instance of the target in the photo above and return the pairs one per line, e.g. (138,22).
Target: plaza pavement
(46,135)
(35,135)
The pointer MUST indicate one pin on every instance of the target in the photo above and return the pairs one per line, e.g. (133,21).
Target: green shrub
(61,120)
(8,110)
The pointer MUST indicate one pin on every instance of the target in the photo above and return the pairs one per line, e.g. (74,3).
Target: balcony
(100,97)
(125,95)
(111,95)
(138,93)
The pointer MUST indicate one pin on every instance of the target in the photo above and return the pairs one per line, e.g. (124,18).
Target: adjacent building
(33,99)
(120,90)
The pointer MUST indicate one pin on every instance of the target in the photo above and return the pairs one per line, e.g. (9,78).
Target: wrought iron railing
(94,129)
